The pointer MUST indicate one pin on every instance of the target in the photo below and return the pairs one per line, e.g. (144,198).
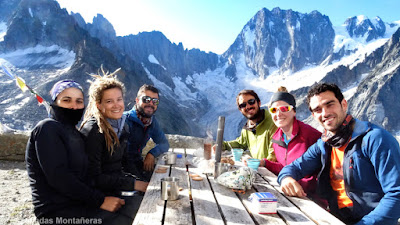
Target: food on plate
(197,178)
(227,160)
(161,170)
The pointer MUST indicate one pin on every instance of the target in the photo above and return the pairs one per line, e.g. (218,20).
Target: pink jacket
(303,137)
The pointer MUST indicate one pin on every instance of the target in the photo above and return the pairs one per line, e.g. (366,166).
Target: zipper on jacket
(287,148)
(346,167)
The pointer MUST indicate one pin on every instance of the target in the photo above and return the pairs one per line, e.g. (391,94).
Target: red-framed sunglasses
(285,108)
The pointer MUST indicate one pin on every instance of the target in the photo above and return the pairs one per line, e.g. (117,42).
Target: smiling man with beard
(142,126)
(257,133)
(357,163)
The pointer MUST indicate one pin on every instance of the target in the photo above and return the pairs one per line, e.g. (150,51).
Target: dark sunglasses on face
(147,99)
(285,108)
(250,102)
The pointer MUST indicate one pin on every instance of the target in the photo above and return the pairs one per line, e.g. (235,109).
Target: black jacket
(105,170)
(57,166)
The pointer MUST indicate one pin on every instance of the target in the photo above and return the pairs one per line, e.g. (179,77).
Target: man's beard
(256,116)
(141,111)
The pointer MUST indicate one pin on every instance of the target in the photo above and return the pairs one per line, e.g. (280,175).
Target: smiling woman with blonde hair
(97,108)
(106,136)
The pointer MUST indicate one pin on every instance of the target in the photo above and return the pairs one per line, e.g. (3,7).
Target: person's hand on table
(141,185)
(291,187)
(112,204)
(148,164)
(262,163)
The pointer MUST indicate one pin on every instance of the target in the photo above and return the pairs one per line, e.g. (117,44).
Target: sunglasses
(147,99)
(250,102)
(285,108)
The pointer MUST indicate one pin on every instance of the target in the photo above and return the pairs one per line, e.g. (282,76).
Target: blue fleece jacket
(371,170)
(139,136)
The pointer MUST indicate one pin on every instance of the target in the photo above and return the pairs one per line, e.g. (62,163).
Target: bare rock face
(359,27)
(282,39)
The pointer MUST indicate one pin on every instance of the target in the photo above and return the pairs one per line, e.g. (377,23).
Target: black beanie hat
(283,96)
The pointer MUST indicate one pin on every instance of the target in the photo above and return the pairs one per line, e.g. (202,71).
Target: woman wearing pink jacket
(292,138)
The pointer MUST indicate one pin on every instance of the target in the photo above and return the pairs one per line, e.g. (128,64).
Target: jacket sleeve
(384,153)
(240,142)
(95,148)
(274,167)
(159,139)
(313,136)
(305,165)
(52,156)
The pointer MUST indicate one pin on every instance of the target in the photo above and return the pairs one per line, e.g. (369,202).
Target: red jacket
(303,137)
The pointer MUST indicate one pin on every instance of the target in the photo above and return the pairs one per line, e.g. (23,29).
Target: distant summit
(283,40)
(362,27)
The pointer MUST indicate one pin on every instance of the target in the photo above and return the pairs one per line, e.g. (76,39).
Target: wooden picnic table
(207,202)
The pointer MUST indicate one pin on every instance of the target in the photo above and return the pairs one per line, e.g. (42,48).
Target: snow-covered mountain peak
(361,19)
(275,48)
(40,57)
(3,30)
(362,27)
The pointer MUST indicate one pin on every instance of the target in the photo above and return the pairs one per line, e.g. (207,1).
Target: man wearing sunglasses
(358,163)
(142,126)
(257,132)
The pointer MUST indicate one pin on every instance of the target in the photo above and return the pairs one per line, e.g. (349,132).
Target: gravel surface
(15,194)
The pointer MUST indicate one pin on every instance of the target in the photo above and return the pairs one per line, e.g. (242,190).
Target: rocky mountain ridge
(43,44)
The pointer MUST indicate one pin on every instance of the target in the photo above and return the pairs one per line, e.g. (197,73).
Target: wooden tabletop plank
(232,208)
(152,207)
(179,211)
(307,206)
(205,207)
(286,209)
(206,211)
(260,218)
(270,177)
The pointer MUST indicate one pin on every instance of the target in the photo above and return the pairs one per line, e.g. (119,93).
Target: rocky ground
(15,194)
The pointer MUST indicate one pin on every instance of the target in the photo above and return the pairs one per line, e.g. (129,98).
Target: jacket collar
(246,127)
(360,128)
(132,115)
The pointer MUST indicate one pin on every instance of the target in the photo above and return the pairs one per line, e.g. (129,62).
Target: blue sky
(213,25)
